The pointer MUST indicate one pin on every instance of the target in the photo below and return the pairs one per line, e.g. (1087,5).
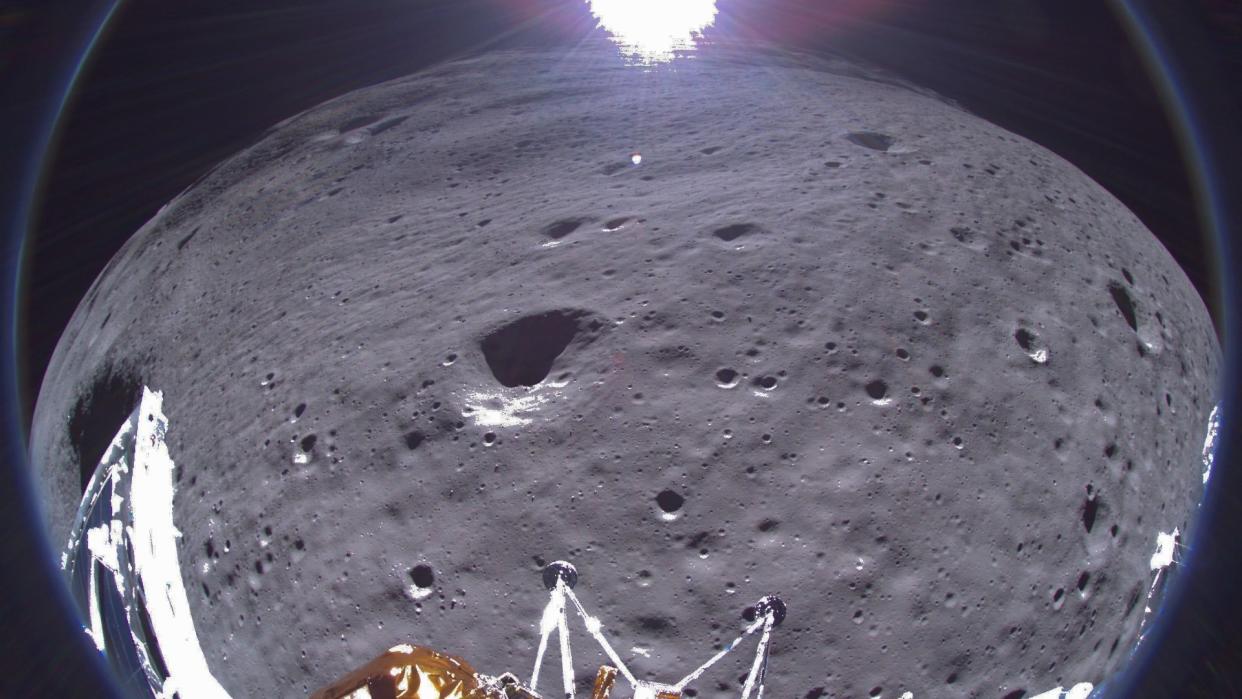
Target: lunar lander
(411,672)
(122,568)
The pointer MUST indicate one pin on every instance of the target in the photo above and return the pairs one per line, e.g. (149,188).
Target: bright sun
(654,29)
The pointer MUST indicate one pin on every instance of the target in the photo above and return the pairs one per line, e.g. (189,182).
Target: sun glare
(653,30)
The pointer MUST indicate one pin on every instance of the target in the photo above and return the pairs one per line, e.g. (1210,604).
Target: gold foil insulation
(409,672)
(604,679)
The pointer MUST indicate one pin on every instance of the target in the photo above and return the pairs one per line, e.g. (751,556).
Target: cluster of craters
(914,374)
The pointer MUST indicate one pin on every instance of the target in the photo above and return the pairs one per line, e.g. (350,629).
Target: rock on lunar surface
(832,339)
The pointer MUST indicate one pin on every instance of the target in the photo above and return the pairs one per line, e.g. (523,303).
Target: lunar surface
(739,325)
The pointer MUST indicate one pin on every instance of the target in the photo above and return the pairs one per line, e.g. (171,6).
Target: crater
(521,353)
(654,624)
(560,229)
(186,240)
(726,378)
(877,389)
(1031,344)
(871,139)
(614,224)
(670,501)
(963,235)
(736,230)
(422,576)
(766,383)
(1090,509)
(1025,338)
(1124,304)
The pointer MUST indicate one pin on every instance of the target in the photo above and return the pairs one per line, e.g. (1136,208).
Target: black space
(176,86)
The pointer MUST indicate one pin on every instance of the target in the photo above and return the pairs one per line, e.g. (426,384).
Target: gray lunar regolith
(916,375)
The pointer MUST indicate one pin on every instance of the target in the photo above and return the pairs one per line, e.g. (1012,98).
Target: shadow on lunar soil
(111,398)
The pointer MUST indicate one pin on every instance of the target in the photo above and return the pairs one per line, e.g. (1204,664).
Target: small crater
(1083,580)
(736,230)
(489,439)
(877,389)
(1124,304)
(1015,694)
(936,370)
(308,443)
(614,224)
(709,150)
(422,576)
(726,378)
(654,624)
(1031,344)
(670,501)
(614,168)
(768,525)
(413,439)
(1090,508)
(871,139)
(560,229)
(1026,340)
(963,235)
(297,412)
(186,240)
(1136,593)
(766,383)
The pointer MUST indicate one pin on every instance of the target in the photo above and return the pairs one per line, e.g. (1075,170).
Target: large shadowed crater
(871,139)
(734,231)
(98,415)
(521,353)
(1125,305)
(559,229)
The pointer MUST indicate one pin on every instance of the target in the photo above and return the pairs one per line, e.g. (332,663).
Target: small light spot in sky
(653,30)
